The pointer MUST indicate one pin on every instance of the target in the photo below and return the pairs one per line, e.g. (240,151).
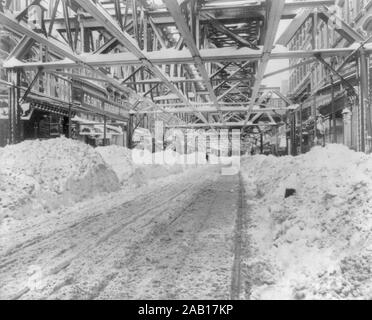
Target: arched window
(35,15)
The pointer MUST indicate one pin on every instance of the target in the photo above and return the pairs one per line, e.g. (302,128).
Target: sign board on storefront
(97,99)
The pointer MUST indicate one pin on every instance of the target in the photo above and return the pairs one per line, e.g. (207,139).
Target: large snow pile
(37,175)
(51,172)
(120,160)
(317,243)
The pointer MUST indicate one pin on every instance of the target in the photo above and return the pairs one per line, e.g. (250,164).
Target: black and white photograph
(185,155)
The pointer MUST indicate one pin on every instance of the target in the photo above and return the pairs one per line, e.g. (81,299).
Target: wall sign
(97,99)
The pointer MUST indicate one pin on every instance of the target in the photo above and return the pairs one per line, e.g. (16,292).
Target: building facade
(329,105)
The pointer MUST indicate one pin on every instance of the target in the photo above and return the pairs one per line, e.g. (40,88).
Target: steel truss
(182,58)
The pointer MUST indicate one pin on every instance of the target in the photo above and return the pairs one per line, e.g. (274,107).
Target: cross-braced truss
(200,63)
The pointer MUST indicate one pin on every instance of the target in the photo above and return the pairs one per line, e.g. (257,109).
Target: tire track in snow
(81,224)
(78,225)
(155,211)
(236,270)
(113,250)
(137,256)
(160,261)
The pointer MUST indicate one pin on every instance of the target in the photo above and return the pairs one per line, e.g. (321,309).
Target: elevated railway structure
(190,63)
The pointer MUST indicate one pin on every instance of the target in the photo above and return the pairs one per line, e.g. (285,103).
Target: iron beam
(100,14)
(187,35)
(171,56)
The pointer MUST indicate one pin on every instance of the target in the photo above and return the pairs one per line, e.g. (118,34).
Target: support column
(330,129)
(104,129)
(293,135)
(286,136)
(130,131)
(301,128)
(333,134)
(14,107)
(365,119)
(276,128)
(347,124)
(11,115)
(313,72)
(69,133)
(261,142)
(69,122)
(315,115)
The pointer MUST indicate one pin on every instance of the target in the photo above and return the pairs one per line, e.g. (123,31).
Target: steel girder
(171,56)
(101,15)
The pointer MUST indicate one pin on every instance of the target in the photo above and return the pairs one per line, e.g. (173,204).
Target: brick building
(320,92)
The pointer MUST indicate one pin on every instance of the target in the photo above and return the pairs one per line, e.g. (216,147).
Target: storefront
(93,132)
(44,118)
(103,119)
(4,120)
(333,128)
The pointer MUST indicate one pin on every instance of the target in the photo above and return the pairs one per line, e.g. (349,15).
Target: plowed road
(172,240)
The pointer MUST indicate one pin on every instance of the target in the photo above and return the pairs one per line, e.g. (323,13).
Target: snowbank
(51,173)
(317,243)
(120,161)
(46,174)
(138,167)
(137,171)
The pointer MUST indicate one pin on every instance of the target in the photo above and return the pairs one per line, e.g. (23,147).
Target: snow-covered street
(173,239)
(188,150)
(183,231)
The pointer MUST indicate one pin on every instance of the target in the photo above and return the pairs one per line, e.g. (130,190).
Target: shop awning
(110,130)
(89,130)
(83,121)
(326,108)
(49,105)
